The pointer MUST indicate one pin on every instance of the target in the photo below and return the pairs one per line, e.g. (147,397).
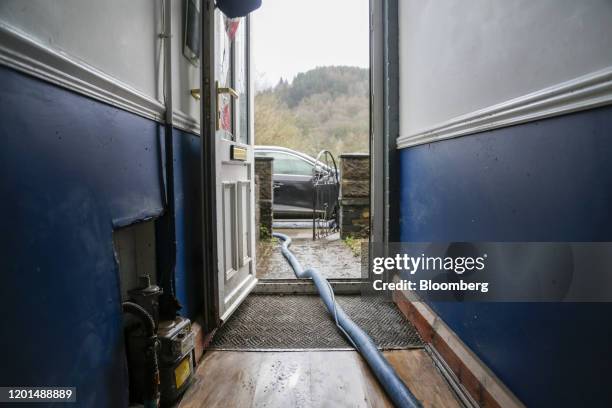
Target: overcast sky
(291,36)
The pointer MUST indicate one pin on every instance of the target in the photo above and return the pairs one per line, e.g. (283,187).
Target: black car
(293,176)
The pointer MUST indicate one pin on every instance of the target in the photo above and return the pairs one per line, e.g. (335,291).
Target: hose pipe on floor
(395,388)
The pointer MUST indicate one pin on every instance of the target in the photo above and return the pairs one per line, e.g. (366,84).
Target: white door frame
(216,306)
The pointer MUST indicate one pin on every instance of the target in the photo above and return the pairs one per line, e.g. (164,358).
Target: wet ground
(331,256)
(311,379)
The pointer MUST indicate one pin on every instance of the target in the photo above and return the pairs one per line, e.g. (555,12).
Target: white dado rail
(25,54)
(585,92)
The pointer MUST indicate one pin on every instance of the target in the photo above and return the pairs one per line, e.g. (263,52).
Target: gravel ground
(331,256)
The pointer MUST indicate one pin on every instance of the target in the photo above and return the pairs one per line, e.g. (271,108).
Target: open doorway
(266,329)
(312,127)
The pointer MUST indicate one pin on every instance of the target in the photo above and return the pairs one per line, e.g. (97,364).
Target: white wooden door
(234,162)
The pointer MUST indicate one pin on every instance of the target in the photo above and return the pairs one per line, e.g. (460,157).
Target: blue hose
(401,396)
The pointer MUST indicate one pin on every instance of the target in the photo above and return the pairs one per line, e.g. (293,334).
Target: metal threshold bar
(306,286)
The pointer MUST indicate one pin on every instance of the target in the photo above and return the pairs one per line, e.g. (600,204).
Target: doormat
(298,322)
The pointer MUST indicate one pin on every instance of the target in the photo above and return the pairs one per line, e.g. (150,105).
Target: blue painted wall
(188,207)
(549,180)
(72,170)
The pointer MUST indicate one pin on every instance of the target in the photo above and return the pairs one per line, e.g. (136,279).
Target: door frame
(384,130)
(208,112)
(384,121)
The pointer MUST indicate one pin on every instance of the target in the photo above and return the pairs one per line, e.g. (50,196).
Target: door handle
(276,185)
(222,90)
(195,92)
(227,90)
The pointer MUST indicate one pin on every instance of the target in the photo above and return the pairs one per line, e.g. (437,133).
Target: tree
(324,108)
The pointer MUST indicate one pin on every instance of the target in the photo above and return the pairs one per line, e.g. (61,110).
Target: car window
(285,163)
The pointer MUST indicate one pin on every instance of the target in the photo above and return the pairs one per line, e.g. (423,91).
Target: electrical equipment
(147,296)
(172,344)
(176,357)
(142,344)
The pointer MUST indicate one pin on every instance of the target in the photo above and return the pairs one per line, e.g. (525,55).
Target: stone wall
(257,209)
(355,195)
(265,196)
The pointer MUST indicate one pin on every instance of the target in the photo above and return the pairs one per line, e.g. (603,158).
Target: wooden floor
(310,379)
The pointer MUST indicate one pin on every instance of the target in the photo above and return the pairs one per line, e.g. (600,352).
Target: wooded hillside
(324,108)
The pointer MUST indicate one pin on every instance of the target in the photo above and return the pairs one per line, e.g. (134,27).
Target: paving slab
(331,256)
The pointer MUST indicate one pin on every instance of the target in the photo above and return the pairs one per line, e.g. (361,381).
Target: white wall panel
(118,37)
(460,56)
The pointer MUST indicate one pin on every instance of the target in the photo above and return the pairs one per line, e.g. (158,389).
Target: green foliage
(354,244)
(324,108)
(264,233)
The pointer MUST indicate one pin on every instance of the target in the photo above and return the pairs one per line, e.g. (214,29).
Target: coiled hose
(395,388)
(151,382)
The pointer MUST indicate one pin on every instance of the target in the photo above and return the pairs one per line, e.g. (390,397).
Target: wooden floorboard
(310,379)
